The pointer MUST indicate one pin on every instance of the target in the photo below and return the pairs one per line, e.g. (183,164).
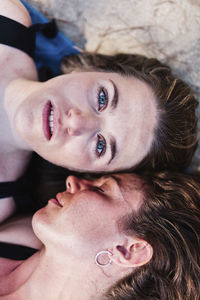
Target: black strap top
(15,252)
(21,191)
(13,188)
(17,35)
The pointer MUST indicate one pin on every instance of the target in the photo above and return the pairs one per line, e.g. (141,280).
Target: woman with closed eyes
(121,236)
(104,114)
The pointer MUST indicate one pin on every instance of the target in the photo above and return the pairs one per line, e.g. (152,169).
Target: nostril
(72,132)
(68,185)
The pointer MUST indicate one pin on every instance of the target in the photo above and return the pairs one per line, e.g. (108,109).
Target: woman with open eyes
(104,114)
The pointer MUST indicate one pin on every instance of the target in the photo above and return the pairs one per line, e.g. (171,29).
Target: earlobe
(134,254)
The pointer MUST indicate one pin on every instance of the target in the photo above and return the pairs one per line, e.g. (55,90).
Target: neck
(14,65)
(14,152)
(16,91)
(31,280)
(8,141)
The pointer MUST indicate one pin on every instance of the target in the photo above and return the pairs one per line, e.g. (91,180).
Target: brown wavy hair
(169,220)
(176,135)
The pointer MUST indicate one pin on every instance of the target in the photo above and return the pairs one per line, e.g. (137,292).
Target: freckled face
(89,215)
(90,121)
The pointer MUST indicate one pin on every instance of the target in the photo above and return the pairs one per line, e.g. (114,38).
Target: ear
(133,252)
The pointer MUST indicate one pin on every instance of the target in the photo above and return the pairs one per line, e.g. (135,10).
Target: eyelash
(102,92)
(98,189)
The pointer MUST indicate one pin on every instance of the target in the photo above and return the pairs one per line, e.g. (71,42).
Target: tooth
(51,129)
(50,118)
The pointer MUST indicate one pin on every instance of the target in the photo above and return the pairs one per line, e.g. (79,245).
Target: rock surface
(166,29)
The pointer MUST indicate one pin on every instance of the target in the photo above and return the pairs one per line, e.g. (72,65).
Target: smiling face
(88,214)
(90,121)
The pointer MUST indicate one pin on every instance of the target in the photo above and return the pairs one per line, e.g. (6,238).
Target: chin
(39,223)
(34,222)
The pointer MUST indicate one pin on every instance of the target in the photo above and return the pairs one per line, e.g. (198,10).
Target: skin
(90,212)
(85,122)
(14,64)
(85,219)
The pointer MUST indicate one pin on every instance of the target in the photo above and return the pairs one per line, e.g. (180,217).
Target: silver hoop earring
(100,256)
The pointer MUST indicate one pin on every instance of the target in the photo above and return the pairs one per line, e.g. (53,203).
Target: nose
(79,123)
(75,184)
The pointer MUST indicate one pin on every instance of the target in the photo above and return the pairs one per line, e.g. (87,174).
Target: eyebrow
(113,148)
(115,98)
(113,105)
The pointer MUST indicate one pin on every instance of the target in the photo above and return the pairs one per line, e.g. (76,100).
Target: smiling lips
(48,120)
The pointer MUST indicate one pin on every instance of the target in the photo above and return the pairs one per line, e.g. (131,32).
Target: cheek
(76,154)
(70,89)
(92,221)
(73,155)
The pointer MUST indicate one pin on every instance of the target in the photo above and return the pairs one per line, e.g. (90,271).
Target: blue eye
(102,99)
(101,145)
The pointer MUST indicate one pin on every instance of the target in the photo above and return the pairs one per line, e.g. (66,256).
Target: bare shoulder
(7,208)
(15,10)
(14,62)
